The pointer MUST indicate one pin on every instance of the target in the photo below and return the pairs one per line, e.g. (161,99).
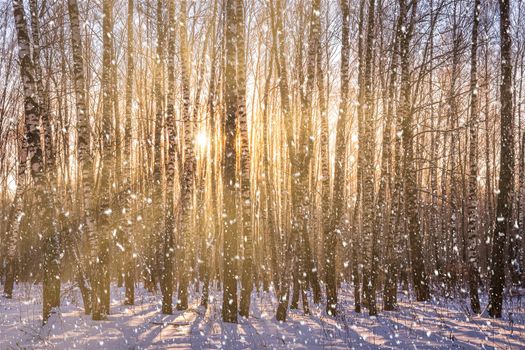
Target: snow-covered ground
(433,325)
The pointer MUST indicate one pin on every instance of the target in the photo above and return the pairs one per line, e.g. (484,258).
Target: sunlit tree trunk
(84,156)
(452,239)
(129,263)
(189,162)
(229,298)
(283,293)
(34,153)
(434,141)
(284,93)
(504,196)
(516,246)
(324,163)
(268,203)
(356,224)
(338,206)
(306,146)
(51,282)
(207,257)
(169,218)
(488,181)
(116,203)
(101,287)
(158,204)
(410,195)
(367,145)
(394,179)
(473,267)
(247,278)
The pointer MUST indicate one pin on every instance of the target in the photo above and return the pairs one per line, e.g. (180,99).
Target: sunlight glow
(11,184)
(202,139)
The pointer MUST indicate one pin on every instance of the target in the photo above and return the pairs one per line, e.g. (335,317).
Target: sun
(202,139)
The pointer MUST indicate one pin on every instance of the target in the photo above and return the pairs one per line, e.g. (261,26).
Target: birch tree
(189,160)
(504,202)
(473,165)
(229,297)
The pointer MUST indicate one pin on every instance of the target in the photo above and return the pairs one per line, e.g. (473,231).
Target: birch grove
(311,149)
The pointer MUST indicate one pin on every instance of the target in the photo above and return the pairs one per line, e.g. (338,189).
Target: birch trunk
(129,264)
(473,267)
(367,145)
(158,204)
(35,156)
(229,298)
(169,218)
(84,136)
(410,196)
(51,282)
(338,206)
(101,282)
(213,154)
(393,181)
(504,198)
(246,206)
(189,162)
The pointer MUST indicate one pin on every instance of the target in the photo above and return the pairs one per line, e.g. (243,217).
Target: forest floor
(434,325)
